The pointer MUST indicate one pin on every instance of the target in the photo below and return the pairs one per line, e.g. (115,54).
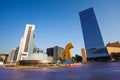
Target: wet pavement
(88,71)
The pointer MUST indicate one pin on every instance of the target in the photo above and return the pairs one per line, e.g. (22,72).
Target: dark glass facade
(50,52)
(92,36)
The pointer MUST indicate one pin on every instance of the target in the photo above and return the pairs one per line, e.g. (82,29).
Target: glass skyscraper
(92,36)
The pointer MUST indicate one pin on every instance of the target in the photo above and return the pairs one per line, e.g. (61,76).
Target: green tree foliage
(73,59)
(116,56)
(77,58)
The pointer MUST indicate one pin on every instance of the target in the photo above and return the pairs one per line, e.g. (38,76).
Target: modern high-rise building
(27,43)
(92,36)
(55,52)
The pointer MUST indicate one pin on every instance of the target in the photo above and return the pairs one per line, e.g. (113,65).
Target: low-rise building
(13,55)
(55,52)
(3,57)
(111,48)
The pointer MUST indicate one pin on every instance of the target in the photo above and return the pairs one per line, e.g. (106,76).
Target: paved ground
(89,71)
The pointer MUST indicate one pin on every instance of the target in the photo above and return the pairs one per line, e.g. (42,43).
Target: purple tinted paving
(89,71)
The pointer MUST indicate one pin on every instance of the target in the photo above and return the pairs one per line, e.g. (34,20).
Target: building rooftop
(114,44)
(1,54)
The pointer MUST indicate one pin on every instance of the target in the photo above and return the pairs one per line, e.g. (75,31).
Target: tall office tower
(55,52)
(27,43)
(92,36)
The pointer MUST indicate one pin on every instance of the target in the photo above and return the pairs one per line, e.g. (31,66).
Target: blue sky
(57,22)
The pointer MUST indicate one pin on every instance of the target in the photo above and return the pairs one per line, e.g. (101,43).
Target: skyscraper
(27,43)
(92,36)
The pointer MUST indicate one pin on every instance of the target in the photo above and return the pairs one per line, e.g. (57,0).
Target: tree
(116,56)
(73,59)
(78,58)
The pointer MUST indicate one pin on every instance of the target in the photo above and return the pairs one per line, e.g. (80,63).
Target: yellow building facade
(113,50)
